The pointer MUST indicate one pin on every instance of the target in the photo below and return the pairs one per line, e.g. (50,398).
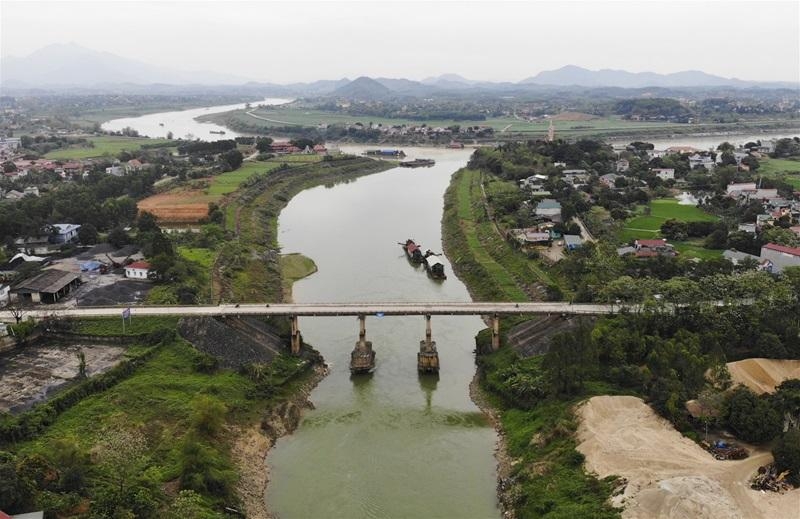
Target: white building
(664,173)
(137,270)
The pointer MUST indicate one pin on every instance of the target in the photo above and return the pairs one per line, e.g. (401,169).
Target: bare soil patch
(187,206)
(668,475)
(763,375)
(31,373)
(573,116)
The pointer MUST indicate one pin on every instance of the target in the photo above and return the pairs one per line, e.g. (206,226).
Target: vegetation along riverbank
(548,367)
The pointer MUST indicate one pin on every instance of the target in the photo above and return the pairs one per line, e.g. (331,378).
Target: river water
(391,444)
(182,123)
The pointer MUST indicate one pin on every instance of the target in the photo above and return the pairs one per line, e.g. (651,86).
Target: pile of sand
(670,476)
(763,375)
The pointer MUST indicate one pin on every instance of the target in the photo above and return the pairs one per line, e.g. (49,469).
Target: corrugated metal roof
(49,282)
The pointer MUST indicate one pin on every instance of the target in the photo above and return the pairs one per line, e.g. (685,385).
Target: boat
(413,252)
(362,358)
(161,124)
(417,163)
(434,265)
(386,153)
(217,132)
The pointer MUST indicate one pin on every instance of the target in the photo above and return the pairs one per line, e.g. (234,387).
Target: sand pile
(763,375)
(670,476)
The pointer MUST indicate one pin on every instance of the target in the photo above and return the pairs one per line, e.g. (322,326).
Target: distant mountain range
(70,66)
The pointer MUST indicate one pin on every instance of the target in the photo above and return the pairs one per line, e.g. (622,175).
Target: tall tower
(551,132)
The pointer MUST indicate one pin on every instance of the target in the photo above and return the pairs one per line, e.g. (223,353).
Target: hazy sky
(300,40)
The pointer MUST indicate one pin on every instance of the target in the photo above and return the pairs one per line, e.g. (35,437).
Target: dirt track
(669,476)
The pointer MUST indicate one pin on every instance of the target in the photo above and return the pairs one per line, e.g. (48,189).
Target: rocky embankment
(235,342)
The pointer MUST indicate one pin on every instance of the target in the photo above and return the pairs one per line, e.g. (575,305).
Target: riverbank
(294,267)
(538,468)
(254,211)
(254,442)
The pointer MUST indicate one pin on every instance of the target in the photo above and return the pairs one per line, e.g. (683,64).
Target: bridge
(363,355)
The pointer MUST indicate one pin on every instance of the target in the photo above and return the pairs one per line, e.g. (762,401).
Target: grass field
(661,210)
(103,146)
(203,257)
(277,117)
(695,249)
(229,182)
(787,170)
(293,268)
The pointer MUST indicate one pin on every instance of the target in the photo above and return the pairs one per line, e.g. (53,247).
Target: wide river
(391,444)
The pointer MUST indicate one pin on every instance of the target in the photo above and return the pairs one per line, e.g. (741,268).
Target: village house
(31,191)
(133,166)
(576,177)
(736,257)
(5,296)
(549,208)
(572,241)
(664,173)
(781,256)
(622,165)
(116,171)
(609,180)
(698,160)
(48,287)
(652,248)
(530,236)
(137,270)
(18,263)
(64,233)
(14,195)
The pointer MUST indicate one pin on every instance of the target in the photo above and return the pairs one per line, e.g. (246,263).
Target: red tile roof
(651,243)
(794,251)
(139,265)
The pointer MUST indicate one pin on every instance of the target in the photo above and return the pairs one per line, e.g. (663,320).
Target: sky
(284,42)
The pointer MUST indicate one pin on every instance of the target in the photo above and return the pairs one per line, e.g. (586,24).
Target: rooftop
(49,281)
(792,251)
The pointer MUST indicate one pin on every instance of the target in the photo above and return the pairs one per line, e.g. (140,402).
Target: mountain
(578,76)
(363,89)
(71,64)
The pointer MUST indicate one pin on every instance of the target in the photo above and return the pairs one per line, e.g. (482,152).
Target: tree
(787,455)
(147,222)
(87,234)
(264,144)
(780,236)
(675,230)
(752,418)
(233,158)
(118,237)
(571,359)
(169,135)
(81,364)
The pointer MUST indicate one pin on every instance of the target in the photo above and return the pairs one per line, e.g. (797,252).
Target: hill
(71,64)
(571,75)
(363,89)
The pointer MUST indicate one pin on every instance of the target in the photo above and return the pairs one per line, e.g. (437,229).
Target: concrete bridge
(493,310)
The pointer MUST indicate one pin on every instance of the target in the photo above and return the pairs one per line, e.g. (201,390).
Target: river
(182,123)
(390,444)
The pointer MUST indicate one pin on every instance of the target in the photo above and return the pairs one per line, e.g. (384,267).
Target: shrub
(787,455)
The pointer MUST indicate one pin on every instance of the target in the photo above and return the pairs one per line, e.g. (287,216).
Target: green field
(106,146)
(229,182)
(283,116)
(787,170)
(661,210)
(203,257)
(695,249)
(293,268)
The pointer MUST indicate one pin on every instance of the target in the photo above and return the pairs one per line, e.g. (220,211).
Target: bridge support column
(297,339)
(362,359)
(495,332)
(428,357)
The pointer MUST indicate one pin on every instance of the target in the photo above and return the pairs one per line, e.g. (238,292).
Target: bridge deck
(326,309)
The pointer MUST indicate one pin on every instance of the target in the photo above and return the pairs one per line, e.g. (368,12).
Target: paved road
(326,309)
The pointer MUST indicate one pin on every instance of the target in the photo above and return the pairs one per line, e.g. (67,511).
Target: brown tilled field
(178,207)
(573,116)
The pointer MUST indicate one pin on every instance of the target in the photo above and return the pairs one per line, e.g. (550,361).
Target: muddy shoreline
(504,461)
(254,443)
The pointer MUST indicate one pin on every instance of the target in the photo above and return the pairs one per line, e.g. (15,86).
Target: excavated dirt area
(30,373)
(669,476)
(763,375)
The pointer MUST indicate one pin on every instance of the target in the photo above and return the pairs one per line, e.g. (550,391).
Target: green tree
(787,455)
(87,234)
(752,418)
(118,237)
(572,358)
(780,236)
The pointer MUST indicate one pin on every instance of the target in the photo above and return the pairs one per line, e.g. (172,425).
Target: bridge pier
(495,332)
(428,357)
(362,359)
(297,339)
